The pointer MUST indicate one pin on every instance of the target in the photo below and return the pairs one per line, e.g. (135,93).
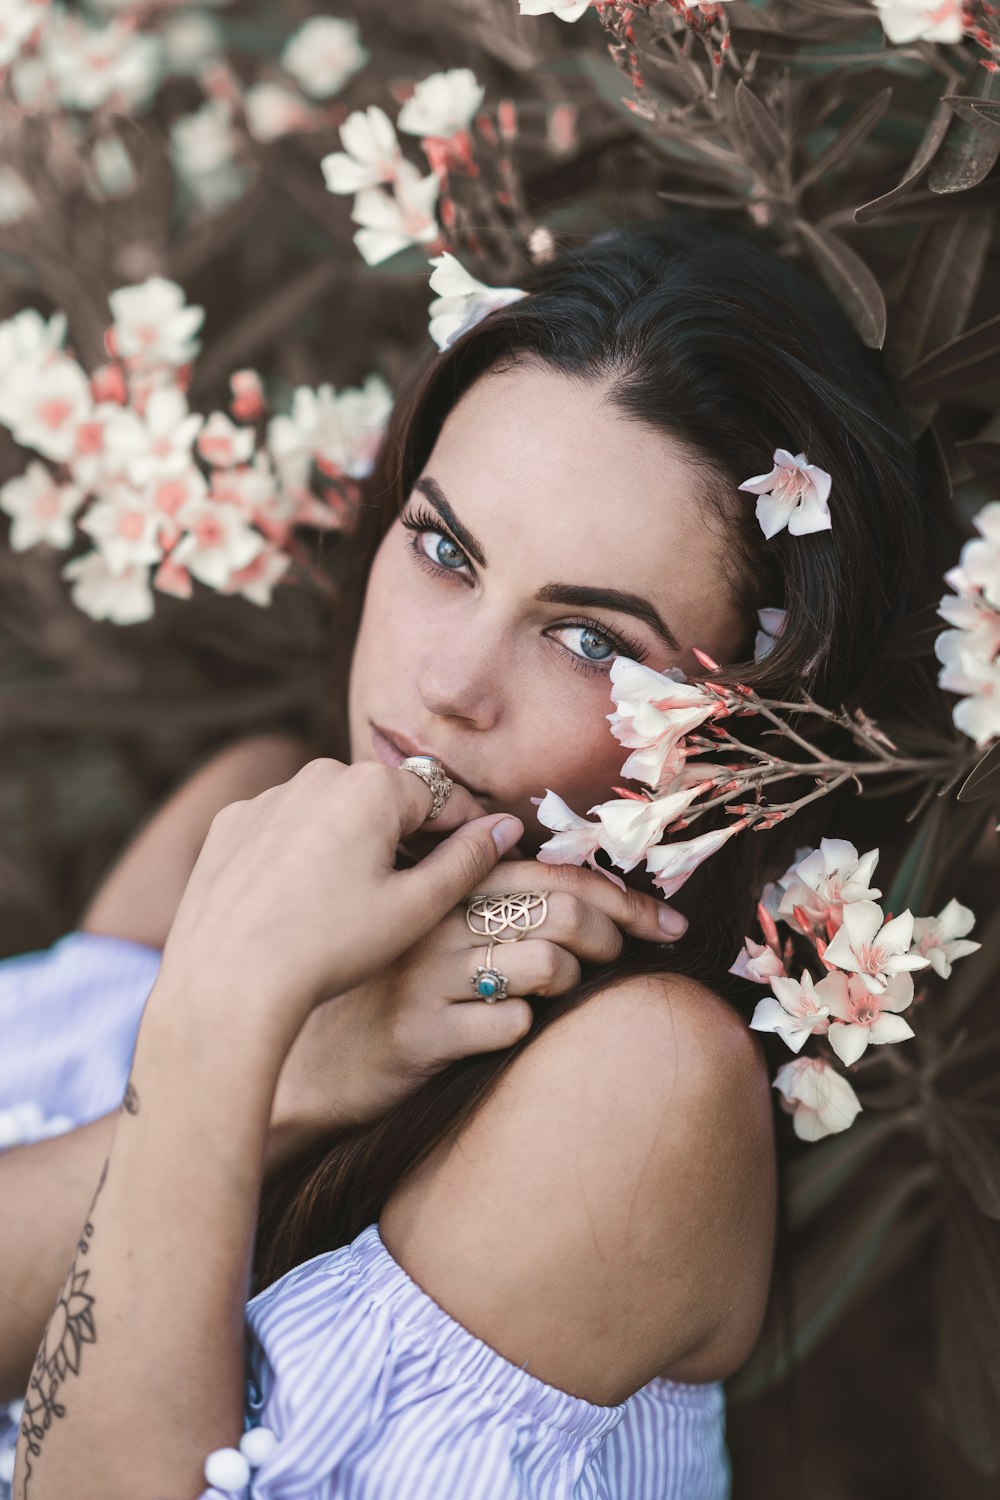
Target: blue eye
(591,644)
(443,550)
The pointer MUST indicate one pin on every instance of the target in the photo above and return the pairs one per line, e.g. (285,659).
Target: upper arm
(607,1215)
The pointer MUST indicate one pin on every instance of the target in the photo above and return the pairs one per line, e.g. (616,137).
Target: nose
(456,679)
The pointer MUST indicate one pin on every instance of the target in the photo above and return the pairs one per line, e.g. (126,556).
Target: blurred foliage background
(873,158)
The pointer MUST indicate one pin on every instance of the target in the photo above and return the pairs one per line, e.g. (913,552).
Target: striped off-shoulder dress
(371,1389)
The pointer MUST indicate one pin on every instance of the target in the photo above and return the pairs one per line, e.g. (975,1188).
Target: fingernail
(672,922)
(506,833)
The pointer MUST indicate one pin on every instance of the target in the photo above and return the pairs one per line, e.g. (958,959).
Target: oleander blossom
(969,652)
(653,713)
(921,20)
(820,1100)
(816,886)
(795,494)
(565,10)
(796,1010)
(462,301)
(942,939)
(861,1017)
(873,949)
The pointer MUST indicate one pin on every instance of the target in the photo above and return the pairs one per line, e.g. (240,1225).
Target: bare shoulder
(608,1213)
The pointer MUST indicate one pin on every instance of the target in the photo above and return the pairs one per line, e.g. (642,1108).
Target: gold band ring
(508,917)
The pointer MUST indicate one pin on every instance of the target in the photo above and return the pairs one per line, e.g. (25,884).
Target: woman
(504,1249)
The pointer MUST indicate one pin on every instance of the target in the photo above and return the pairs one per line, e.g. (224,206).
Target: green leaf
(850,139)
(984,778)
(850,280)
(973,1156)
(964,363)
(940,280)
(919,865)
(922,158)
(817,1175)
(761,131)
(870,1234)
(969,149)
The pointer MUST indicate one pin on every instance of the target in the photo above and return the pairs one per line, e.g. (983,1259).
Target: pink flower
(795,1012)
(631,825)
(123,597)
(921,20)
(576,840)
(248,395)
(42,509)
(819,1099)
(822,880)
(273,111)
(672,864)
(865,947)
(156,444)
(863,1017)
(51,401)
(654,711)
(217,542)
(257,580)
(223,444)
(391,222)
(794,494)
(942,939)
(152,325)
(126,528)
(443,104)
(758,962)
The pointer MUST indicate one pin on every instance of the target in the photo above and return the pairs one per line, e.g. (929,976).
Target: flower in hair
(795,494)
(461,299)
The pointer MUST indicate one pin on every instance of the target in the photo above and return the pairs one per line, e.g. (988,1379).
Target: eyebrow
(622,600)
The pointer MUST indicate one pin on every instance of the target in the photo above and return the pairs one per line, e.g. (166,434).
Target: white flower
(968,670)
(126,529)
(323,54)
(273,111)
(631,825)
(461,299)
(942,939)
(862,945)
(153,325)
(204,148)
(794,1012)
(16,198)
(794,494)
(921,20)
(257,580)
(42,509)
(566,10)
(442,104)
(671,864)
(819,1099)
(156,444)
(91,64)
(576,840)
(862,1017)
(654,711)
(822,880)
(191,41)
(341,430)
(217,542)
(125,598)
(772,623)
(391,222)
(758,962)
(371,152)
(223,444)
(19,19)
(53,401)
(979,560)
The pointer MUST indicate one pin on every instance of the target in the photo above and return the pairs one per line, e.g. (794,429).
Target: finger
(533,966)
(573,923)
(415,801)
(440,880)
(478,1027)
(636,912)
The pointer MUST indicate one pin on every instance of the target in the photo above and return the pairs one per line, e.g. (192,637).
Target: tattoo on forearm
(69,1328)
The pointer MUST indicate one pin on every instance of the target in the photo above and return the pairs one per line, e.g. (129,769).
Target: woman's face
(554,534)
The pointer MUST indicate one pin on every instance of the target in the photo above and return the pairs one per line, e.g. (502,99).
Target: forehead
(556,481)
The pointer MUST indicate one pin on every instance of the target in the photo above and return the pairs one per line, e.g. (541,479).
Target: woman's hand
(362,1053)
(294,897)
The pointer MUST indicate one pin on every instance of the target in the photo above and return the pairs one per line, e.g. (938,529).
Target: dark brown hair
(701,330)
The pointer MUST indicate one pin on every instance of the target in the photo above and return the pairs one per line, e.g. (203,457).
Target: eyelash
(418,521)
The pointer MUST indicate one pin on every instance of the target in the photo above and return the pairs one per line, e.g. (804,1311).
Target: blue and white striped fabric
(372,1390)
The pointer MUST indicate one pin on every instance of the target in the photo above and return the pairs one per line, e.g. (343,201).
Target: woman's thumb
(453,868)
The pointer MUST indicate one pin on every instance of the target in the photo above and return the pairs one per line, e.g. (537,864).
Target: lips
(392,747)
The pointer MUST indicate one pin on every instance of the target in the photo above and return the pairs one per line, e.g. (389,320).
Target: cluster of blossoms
(824,897)
(165,494)
(867,961)
(969,650)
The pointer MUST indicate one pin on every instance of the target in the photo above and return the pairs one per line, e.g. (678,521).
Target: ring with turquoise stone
(487,982)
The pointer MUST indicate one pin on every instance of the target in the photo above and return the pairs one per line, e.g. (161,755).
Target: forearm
(164,1258)
(44,1192)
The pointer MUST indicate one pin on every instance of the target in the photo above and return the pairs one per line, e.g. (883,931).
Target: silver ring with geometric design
(508,917)
(430,770)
